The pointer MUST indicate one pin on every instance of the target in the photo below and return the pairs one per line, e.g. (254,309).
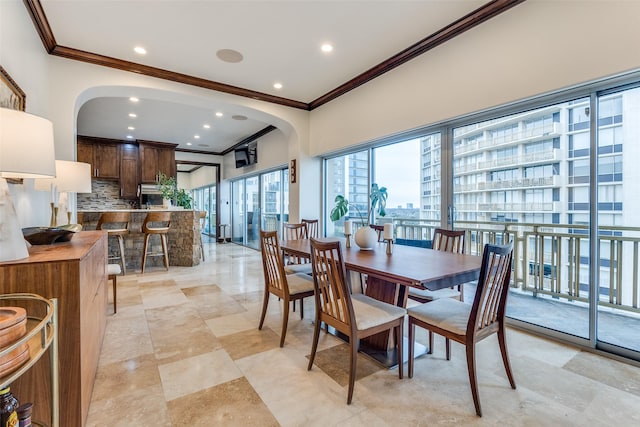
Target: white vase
(366,238)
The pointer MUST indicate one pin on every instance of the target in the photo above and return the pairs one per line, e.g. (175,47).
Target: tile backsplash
(105,194)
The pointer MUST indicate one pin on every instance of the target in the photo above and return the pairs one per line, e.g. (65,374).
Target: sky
(397,167)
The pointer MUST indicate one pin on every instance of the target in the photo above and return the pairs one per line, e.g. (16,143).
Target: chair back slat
(312,227)
(448,240)
(331,291)
(379,230)
(273,266)
(493,287)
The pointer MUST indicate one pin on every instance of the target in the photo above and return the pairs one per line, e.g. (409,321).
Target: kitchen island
(183,237)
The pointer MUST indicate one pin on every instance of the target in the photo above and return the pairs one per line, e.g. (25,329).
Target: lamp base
(12,244)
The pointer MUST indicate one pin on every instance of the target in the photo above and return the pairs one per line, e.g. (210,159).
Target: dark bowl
(46,235)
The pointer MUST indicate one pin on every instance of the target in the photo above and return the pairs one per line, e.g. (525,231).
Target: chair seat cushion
(299,283)
(445,313)
(434,295)
(370,312)
(298,268)
(113,269)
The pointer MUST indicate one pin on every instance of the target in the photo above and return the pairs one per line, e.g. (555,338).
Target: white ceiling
(279,40)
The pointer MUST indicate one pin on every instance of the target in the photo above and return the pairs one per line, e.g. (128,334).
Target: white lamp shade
(26,145)
(72,177)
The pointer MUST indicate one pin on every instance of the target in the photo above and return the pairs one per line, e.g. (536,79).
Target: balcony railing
(553,259)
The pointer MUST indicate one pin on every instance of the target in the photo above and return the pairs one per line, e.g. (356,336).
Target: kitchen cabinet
(103,157)
(129,171)
(156,158)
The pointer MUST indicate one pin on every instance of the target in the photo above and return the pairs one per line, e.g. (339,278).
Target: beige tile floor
(184,350)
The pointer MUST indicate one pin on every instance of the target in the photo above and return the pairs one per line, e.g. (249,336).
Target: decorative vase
(166,203)
(366,238)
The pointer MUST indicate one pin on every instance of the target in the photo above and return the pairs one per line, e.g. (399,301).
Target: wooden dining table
(389,275)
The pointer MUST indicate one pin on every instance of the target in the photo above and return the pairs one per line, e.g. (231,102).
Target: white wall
(24,58)
(536,47)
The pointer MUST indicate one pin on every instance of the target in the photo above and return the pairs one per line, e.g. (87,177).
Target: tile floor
(184,349)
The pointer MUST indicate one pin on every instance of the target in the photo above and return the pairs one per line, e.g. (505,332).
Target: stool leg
(144,251)
(163,239)
(124,264)
(114,279)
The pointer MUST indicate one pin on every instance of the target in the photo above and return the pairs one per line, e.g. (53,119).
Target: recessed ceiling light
(134,99)
(133,115)
(277,85)
(206,126)
(326,48)
(129,136)
(229,55)
(219,114)
(131,128)
(239,117)
(188,143)
(203,145)
(196,136)
(140,50)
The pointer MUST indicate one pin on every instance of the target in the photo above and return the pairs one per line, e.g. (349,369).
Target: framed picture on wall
(11,96)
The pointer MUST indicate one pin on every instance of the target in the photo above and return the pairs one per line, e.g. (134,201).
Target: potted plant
(168,187)
(365,236)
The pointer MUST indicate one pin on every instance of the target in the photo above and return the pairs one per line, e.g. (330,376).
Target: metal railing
(553,259)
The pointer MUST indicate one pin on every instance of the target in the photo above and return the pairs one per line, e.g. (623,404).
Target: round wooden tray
(9,316)
(13,333)
(14,359)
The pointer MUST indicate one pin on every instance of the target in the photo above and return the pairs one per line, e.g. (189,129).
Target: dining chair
(471,323)
(312,227)
(448,241)
(202,221)
(293,263)
(288,287)
(356,316)
(379,230)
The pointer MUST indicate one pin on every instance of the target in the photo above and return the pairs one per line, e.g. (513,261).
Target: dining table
(390,274)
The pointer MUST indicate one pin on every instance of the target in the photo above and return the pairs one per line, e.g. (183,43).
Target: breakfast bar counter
(183,237)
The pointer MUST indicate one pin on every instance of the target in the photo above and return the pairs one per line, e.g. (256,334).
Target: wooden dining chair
(312,227)
(448,241)
(356,316)
(294,263)
(289,288)
(470,323)
(379,230)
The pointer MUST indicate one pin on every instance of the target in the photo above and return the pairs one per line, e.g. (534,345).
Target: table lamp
(71,177)
(26,151)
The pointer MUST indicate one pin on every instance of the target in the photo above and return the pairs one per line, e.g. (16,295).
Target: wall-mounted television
(246,155)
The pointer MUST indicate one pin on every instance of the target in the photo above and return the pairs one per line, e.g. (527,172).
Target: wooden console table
(75,273)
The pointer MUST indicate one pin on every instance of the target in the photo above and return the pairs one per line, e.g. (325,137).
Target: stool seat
(113,270)
(156,223)
(116,224)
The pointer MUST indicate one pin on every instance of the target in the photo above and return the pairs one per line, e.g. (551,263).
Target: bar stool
(156,223)
(116,224)
(113,270)
(224,232)
(203,220)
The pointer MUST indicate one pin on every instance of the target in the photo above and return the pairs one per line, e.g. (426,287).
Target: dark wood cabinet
(155,158)
(104,158)
(129,171)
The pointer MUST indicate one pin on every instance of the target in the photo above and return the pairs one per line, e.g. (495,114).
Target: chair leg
(447,343)
(265,303)
(412,331)
(285,320)
(353,343)
(144,251)
(165,250)
(122,260)
(430,350)
(301,308)
(473,380)
(505,356)
(400,344)
(314,344)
